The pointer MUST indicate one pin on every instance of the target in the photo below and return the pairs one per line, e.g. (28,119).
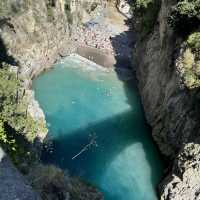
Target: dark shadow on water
(123,44)
(114,135)
(110,144)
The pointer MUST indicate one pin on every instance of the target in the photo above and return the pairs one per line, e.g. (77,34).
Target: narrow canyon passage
(96,124)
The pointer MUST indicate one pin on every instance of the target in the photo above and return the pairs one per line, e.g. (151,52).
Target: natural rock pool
(98,129)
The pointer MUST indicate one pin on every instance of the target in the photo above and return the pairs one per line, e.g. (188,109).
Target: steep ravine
(36,34)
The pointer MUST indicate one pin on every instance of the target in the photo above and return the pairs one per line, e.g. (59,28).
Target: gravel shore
(109,34)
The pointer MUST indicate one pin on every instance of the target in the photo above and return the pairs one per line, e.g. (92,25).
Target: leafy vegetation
(191,61)
(193,42)
(147,11)
(49,181)
(5,139)
(15,145)
(17,128)
(190,69)
(141,5)
(53,183)
(185,19)
(13,107)
(185,16)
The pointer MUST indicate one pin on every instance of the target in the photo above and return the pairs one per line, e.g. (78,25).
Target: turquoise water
(84,106)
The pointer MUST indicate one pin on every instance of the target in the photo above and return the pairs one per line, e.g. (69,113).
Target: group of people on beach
(95,37)
(104,37)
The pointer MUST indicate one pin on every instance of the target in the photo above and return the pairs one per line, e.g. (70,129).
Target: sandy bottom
(97,56)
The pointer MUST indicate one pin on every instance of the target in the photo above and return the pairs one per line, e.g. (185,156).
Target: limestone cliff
(33,35)
(36,33)
(170,106)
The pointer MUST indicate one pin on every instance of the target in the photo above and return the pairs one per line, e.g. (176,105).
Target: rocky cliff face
(36,33)
(13,185)
(33,35)
(170,107)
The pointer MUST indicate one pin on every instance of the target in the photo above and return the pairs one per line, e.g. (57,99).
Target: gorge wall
(170,102)
(33,35)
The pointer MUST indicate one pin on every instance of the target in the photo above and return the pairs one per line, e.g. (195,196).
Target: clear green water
(80,102)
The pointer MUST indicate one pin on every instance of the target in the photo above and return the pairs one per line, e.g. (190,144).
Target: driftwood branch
(92,143)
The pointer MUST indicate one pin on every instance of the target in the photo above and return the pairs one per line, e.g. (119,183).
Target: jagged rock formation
(36,34)
(124,7)
(171,107)
(13,184)
(33,35)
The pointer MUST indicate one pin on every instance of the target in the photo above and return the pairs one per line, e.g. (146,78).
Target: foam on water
(80,105)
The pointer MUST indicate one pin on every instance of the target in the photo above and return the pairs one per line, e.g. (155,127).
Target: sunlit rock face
(125,8)
(35,33)
(170,108)
(2,154)
(13,184)
(98,130)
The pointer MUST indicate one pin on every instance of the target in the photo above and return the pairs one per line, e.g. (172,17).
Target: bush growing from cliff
(141,5)
(193,42)
(4,138)
(50,182)
(13,107)
(146,11)
(15,146)
(185,16)
(17,128)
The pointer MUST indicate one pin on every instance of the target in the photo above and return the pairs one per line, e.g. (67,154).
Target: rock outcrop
(33,35)
(36,35)
(13,184)
(171,108)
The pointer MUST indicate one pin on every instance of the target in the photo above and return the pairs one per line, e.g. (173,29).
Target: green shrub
(193,42)
(141,5)
(15,145)
(147,12)
(185,16)
(190,69)
(13,107)
(5,139)
(17,128)
(49,181)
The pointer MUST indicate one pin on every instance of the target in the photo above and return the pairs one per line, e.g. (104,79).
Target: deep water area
(98,130)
